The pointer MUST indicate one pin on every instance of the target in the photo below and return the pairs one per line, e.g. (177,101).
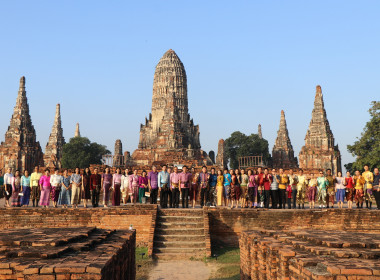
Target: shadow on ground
(227,262)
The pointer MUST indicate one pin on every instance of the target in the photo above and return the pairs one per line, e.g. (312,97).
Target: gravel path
(180,270)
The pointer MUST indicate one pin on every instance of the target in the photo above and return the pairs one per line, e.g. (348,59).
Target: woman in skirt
(16,190)
(312,191)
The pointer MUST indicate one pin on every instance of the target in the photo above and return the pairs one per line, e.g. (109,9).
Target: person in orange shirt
(368,191)
(359,189)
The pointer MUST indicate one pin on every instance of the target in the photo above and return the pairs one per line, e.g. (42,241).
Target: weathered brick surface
(309,254)
(67,253)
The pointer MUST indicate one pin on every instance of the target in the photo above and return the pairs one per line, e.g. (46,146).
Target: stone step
(180,212)
(182,256)
(179,244)
(184,237)
(179,225)
(183,219)
(193,251)
(179,231)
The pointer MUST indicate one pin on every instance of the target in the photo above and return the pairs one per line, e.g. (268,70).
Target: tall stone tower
(221,158)
(259,132)
(54,148)
(283,153)
(169,135)
(21,150)
(118,154)
(77,131)
(319,151)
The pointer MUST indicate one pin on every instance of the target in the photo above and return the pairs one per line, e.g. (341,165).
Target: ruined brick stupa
(21,150)
(283,153)
(319,151)
(169,135)
(54,148)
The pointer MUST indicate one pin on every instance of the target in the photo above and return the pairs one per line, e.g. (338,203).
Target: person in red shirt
(350,190)
(267,181)
(260,190)
(95,186)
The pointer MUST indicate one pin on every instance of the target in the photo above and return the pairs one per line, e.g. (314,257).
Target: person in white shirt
(125,186)
(56,182)
(8,177)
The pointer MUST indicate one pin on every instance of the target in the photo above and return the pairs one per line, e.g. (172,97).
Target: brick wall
(226,225)
(140,216)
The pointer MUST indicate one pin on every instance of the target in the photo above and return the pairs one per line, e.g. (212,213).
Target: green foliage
(240,145)
(367,148)
(81,152)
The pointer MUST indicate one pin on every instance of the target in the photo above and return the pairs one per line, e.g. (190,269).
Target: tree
(81,152)
(367,148)
(240,145)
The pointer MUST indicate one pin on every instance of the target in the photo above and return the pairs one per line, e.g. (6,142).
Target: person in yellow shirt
(284,181)
(34,185)
(301,189)
(359,189)
(312,191)
(219,188)
(368,194)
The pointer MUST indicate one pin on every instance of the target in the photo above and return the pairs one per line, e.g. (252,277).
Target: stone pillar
(259,132)
(118,160)
(211,155)
(77,131)
(221,159)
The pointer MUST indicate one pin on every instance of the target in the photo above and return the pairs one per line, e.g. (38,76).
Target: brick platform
(67,253)
(140,216)
(309,254)
(219,224)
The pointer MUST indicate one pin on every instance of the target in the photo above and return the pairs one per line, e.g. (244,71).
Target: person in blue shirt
(212,190)
(227,186)
(164,185)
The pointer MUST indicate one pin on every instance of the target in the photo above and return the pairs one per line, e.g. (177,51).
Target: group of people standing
(262,188)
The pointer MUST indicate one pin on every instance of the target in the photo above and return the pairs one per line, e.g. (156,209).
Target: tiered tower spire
(169,134)
(319,151)
(54,148)
(21,150)
(283,153)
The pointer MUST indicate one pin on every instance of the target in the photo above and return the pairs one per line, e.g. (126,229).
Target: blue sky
(245,62)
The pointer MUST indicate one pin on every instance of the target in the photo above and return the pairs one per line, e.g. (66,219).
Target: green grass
(227,263)
(143,264)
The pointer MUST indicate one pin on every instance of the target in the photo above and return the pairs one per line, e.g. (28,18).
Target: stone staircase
(181,234)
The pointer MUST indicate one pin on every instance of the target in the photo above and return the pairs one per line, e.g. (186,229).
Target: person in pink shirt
(134,186)
(116,183)
(185,181)
(45,188)
(174,182)
(143,184)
